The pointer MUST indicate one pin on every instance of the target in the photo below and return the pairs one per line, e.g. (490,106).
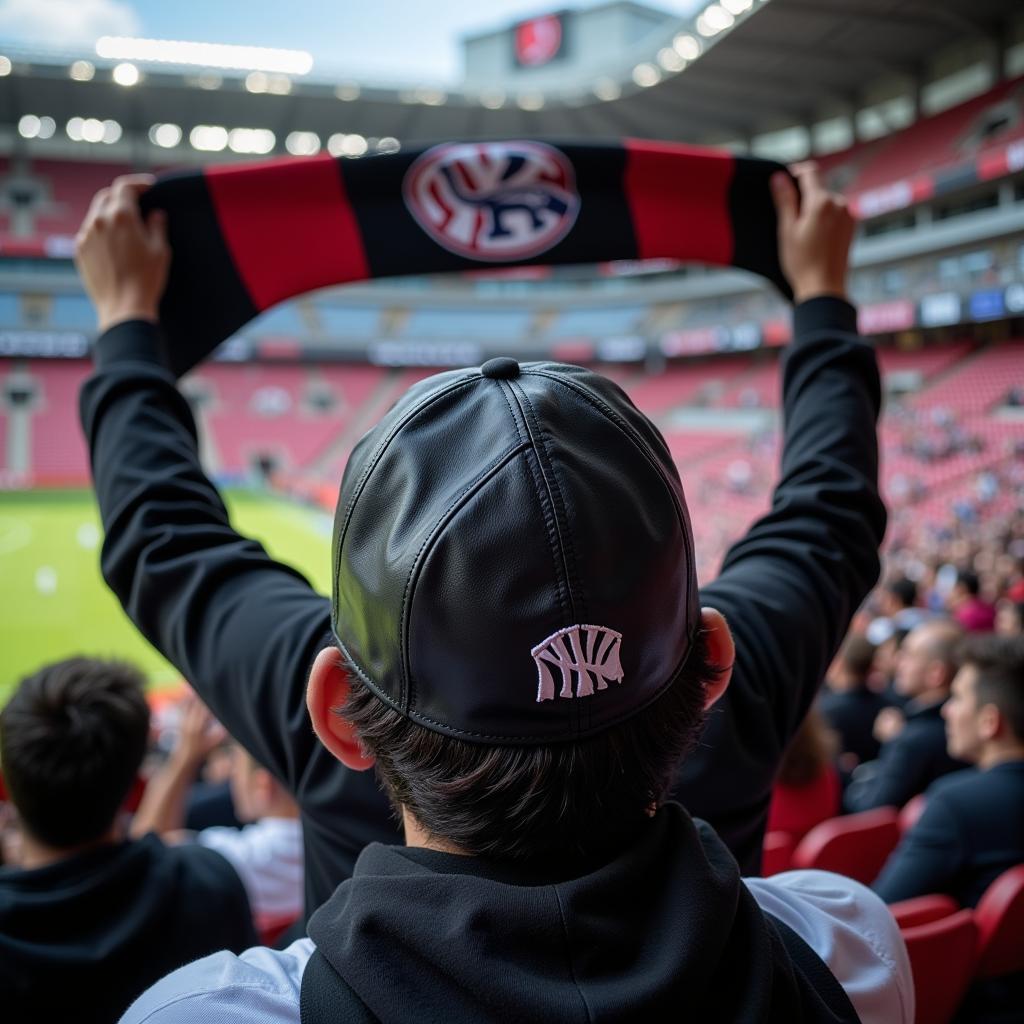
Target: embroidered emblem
(493,200)
(590,653)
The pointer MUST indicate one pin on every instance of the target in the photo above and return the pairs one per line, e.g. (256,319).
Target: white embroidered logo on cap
(589,652)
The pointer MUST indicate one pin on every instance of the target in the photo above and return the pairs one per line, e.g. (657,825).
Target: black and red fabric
(246,237)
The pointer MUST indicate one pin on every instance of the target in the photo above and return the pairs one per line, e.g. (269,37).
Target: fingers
(809,176)
(134,184)
(156,229)
(787,201)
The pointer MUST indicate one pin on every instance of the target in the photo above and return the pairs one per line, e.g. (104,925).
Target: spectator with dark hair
(849,705)
(973,613)
(89,919)
(913,741)
(517,643)
(972,828)
(898,606)
(807,787)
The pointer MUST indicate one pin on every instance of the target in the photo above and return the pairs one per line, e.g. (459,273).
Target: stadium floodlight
(208,138)
(111,132)
(388,144)
(251,140)
(353,145)
(302,143)
(5,66)
(210,55)
(82,71)
(737,6)
(260,81)
(208,80)
(714,19)
(347,91)
(646,75)
(670,60)
(93,130)
(166,136)
(530,101)
(493,100)
(686,46)
(74,129)
(607,89)
(341,144)
(32,127)
(126,74)
(431,97)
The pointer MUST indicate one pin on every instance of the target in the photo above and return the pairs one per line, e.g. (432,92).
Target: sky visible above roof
(389,40)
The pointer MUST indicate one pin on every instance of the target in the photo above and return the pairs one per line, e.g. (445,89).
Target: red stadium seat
(942,957)
(1000,919)
(272,927)
(912,810)
(923,909)
(856,845)
(777,853)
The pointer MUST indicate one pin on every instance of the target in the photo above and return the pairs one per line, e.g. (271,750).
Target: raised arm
(242,628)
(789,588)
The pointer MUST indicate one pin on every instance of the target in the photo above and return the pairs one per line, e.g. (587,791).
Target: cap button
(501,368)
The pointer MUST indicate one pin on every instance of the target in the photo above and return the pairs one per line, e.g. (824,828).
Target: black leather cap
(513,558)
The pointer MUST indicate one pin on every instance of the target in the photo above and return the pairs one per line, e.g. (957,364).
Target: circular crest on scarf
(493,201)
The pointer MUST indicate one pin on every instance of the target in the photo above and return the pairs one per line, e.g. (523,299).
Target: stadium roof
(785,63)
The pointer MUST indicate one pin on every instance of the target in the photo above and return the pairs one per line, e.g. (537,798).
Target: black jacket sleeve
(242,628)
(904,767)
(928,859)
(789,588)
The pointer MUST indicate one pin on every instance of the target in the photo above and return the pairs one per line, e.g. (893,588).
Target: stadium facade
(916,114)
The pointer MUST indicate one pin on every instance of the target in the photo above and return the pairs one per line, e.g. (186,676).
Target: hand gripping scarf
(245,237)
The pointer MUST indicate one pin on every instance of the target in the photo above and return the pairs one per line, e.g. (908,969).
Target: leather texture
(484,514)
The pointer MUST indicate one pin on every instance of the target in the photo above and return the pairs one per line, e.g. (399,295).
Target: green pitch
(54,603)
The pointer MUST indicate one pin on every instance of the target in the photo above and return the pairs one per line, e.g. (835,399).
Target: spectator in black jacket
(972,828)
(913,752)
(849,705)
(89,919)
(490,507)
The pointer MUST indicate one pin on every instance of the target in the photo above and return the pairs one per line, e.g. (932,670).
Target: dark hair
(999,661)
(904,590)
(810,751)
(71,741)
(554,802)
(969,581)
(857,655)
(899,635)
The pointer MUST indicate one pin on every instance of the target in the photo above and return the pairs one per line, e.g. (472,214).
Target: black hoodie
(81,938)
(664,931)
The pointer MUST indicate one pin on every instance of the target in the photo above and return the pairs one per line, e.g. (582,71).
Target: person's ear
(328,689)
(721,651)
(990,722)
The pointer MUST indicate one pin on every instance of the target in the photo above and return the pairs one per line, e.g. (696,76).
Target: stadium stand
(58,450)
(938,275)
(65,191)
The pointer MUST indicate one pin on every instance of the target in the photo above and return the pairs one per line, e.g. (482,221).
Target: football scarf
(245,237)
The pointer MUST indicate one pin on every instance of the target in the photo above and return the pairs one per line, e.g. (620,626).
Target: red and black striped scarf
(246,237)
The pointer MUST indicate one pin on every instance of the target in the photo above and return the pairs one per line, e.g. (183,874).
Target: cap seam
(378,454)
(473,487)
(626,429)
(556,537)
